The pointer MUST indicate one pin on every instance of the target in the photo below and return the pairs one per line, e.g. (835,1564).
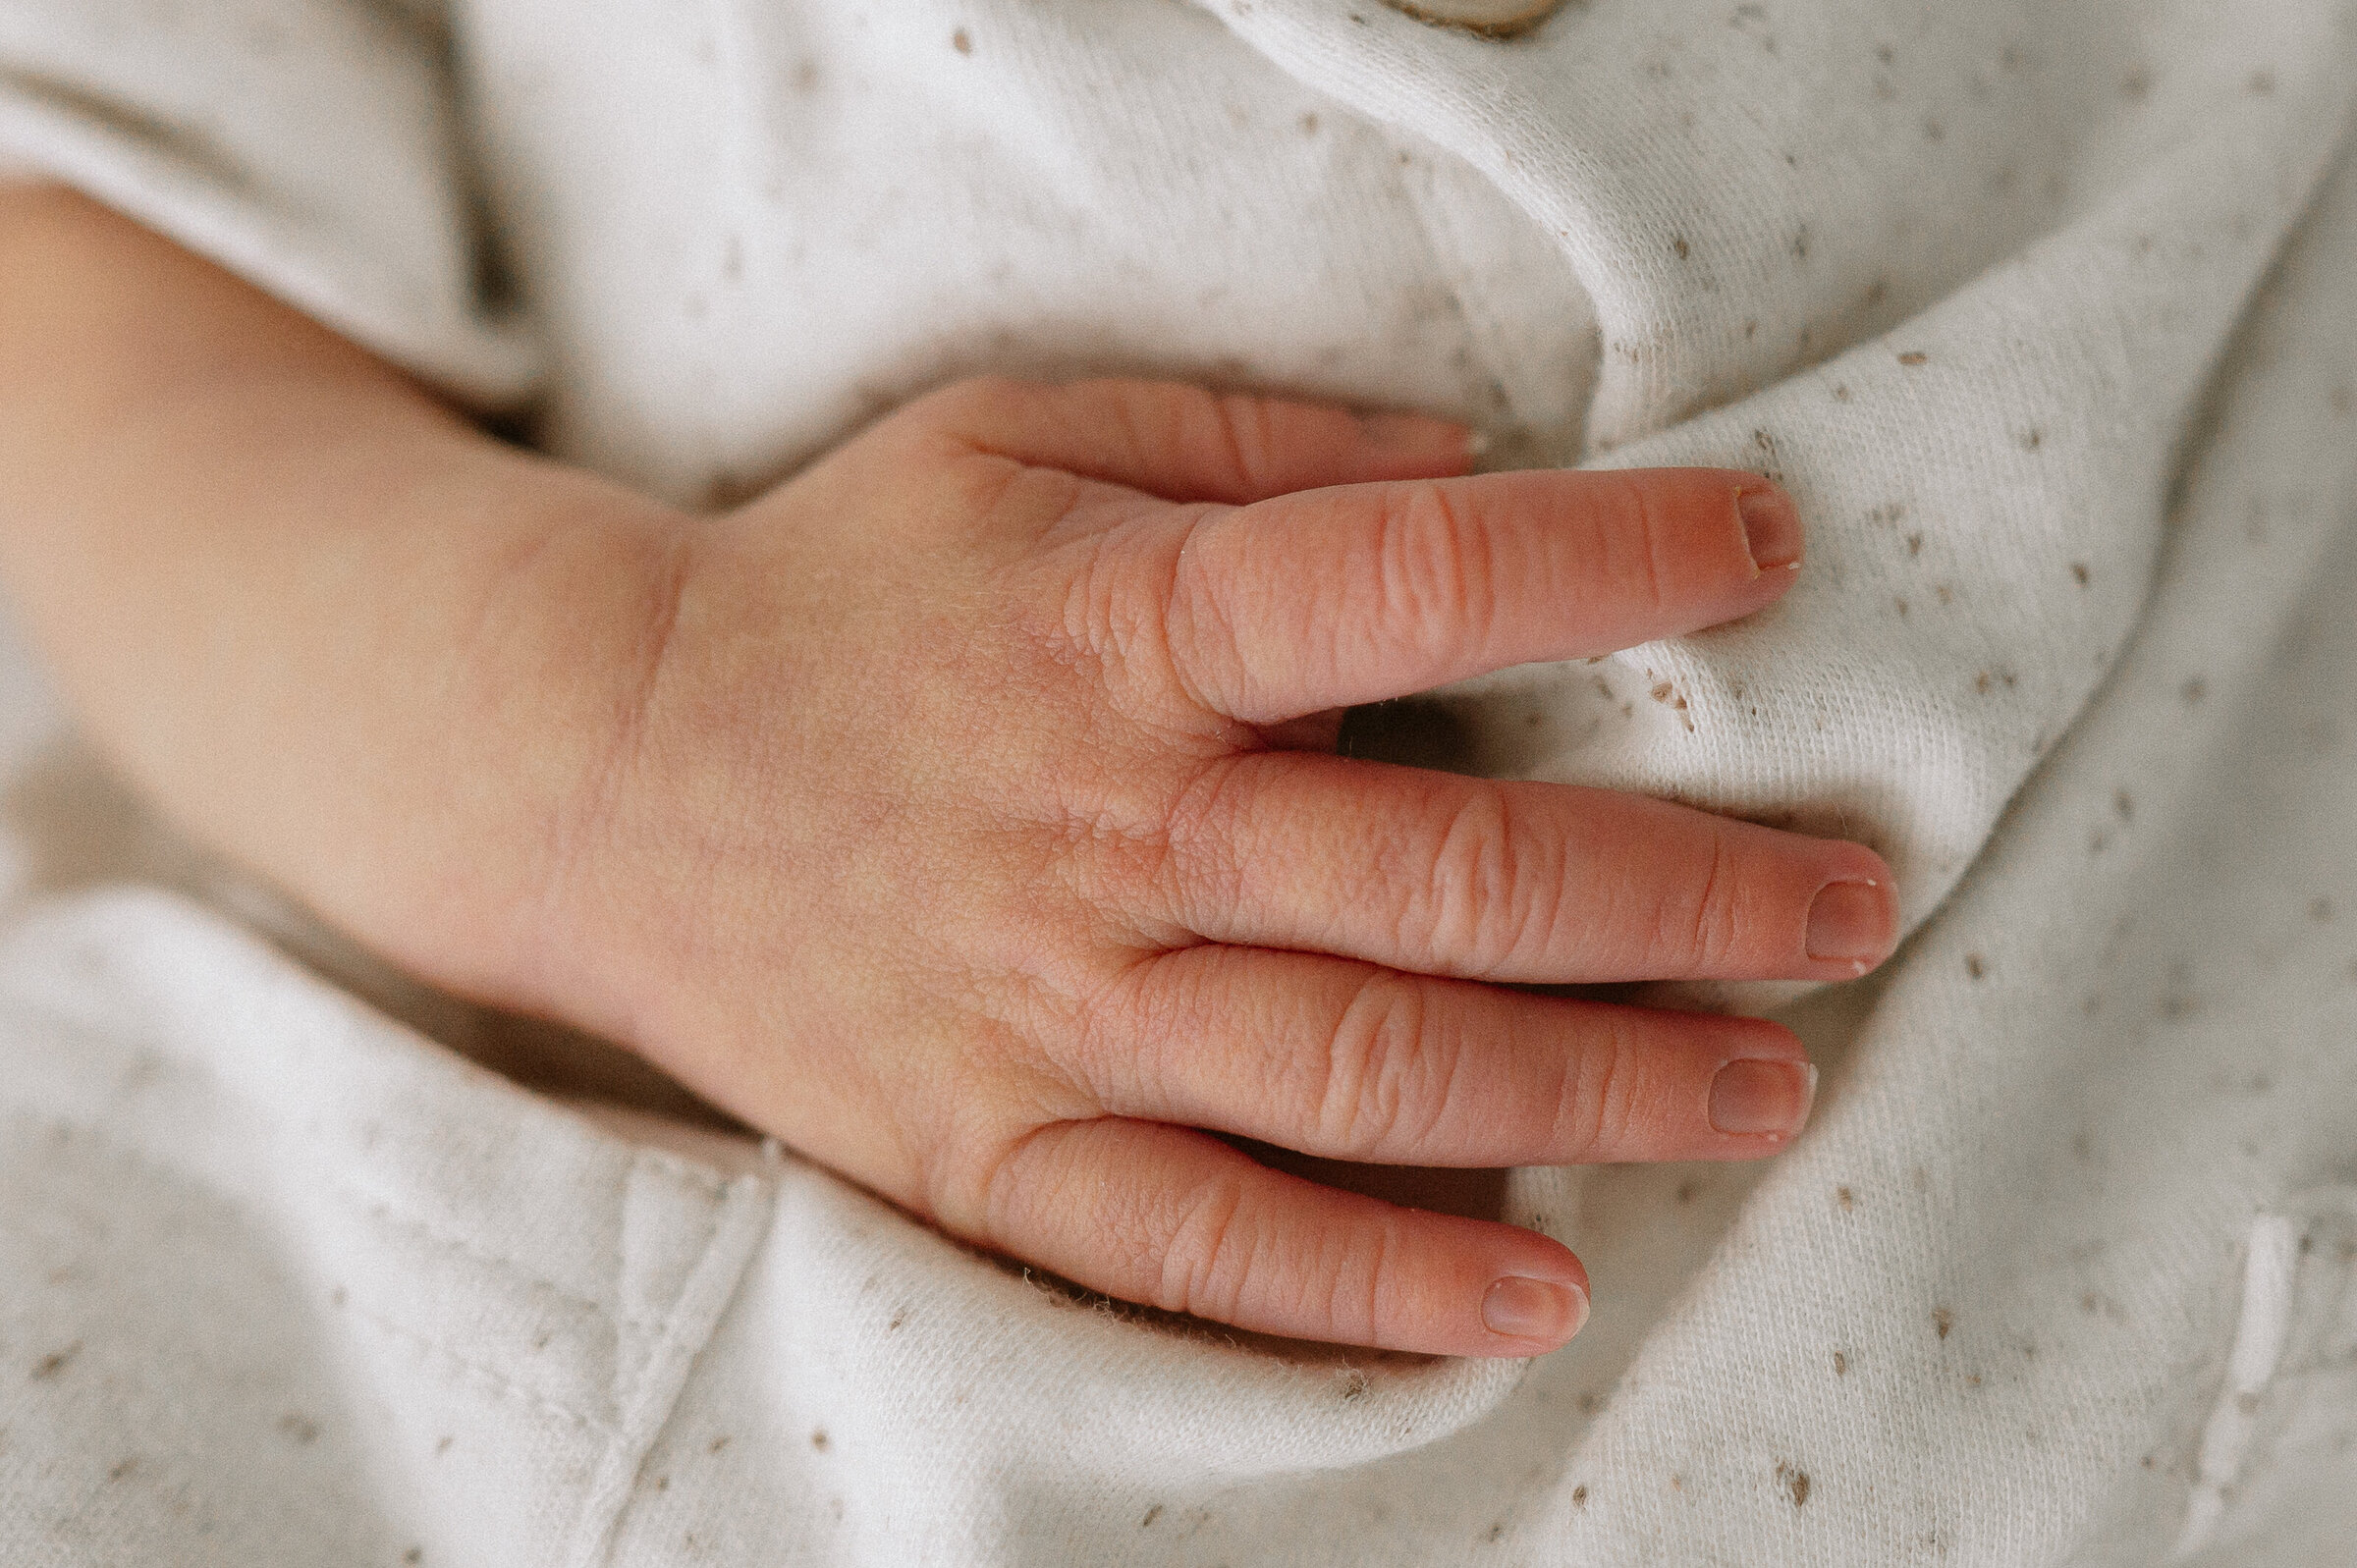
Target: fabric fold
(317,155)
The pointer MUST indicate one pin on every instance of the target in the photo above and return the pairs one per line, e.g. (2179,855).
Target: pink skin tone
(962,812)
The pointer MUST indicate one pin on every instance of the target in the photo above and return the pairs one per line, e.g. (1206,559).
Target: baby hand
(960,812)
(955,838)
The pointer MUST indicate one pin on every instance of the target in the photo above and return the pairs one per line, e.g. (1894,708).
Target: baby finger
(1493,880)
(1350,1061)
(1180,1220)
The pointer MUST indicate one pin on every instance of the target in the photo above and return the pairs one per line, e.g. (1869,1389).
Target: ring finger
(1508,881)
(1351,1061)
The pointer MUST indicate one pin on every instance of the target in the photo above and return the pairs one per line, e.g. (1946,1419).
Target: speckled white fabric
(2047,316)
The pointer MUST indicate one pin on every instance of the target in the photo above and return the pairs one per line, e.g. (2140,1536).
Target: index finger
(1357,593)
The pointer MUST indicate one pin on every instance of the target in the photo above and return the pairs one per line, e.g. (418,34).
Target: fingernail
(1523,1308)
(1756,1096)
(1770,526)
(1853,920)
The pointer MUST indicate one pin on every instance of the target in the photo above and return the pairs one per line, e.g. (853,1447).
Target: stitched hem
(645,1408)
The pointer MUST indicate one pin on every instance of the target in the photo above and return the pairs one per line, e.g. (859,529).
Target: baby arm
(959,811)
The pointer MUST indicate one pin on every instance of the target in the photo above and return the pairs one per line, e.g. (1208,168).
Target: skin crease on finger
(871,809)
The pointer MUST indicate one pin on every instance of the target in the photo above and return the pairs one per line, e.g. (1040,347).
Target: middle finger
(1505,881)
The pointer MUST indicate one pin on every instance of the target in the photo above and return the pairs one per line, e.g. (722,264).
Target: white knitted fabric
(2046,315)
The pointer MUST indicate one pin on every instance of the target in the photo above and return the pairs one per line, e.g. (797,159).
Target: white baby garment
(2046,315)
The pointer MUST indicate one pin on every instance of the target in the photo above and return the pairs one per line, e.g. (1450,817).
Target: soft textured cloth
(2047,315)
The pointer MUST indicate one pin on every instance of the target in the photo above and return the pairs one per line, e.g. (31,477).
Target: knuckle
(1136,1027)
(1354,1277)
(1597,1110)
(1207,1260)
(1148,626)
(1244,432)
(1435,570)
(1204,832)
(995,1194)
(1703,931)
(1467,873)
(1000,1155)
(1636,544)
(1197,616)
(1383,1078)
(1090,617)
(1217,1265)
(1491,896)
(1214,1262)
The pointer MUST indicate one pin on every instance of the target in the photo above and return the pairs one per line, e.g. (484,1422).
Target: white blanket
(2046,313)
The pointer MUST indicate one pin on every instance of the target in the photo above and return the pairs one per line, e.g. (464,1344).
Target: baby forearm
(328,625)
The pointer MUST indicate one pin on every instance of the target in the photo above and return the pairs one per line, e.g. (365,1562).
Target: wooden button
(1492,18)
